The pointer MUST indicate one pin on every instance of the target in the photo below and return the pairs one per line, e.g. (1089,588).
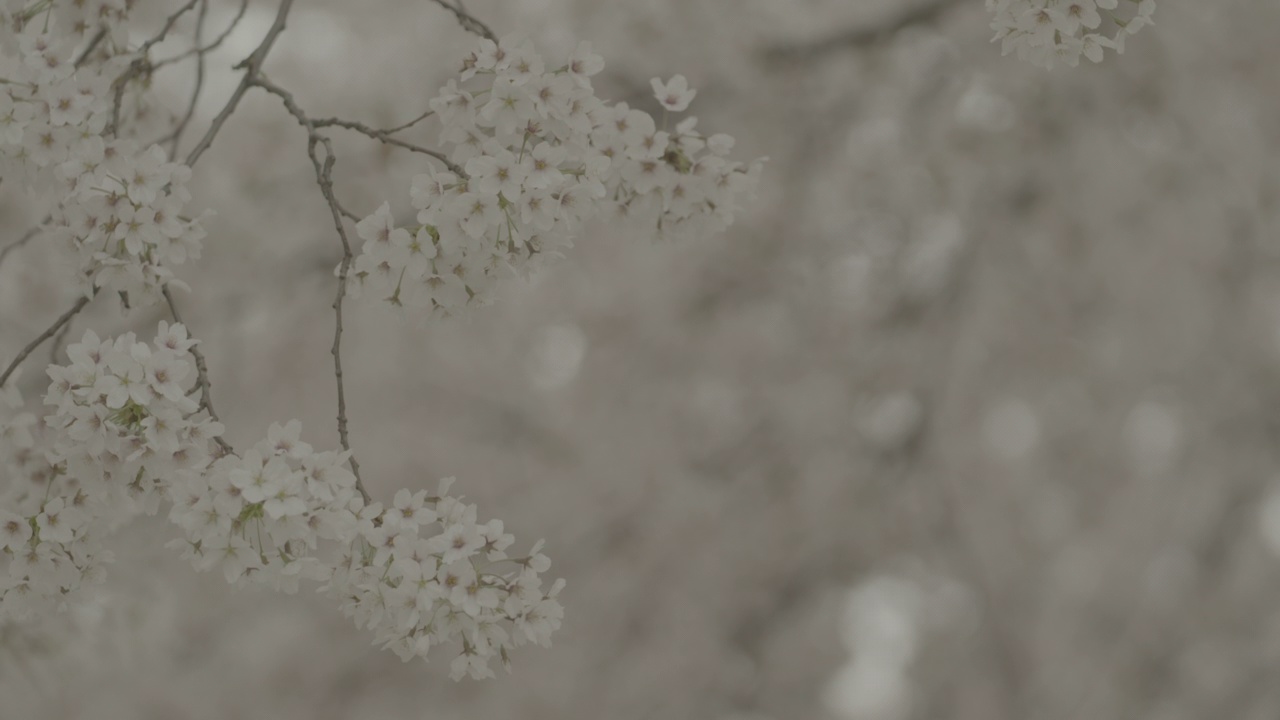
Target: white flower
(15,531)
(1051,32)
(583,64)
(674,94)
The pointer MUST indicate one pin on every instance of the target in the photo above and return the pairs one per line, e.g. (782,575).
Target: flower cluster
(679,185)
(120,204)
(260,516)
(121,423)
(123,214)
(282,513)
(40,562)
(533,154)
(1049,32)
(416,588)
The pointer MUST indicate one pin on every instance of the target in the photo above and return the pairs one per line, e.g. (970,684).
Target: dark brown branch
(324,178)
(176,136)
(921,13)
(26,238)
(252,66)
(93,45)
(469,22)
(411,123)
(384,136)
(235,22)
(141,65)
(48,333)
(202,372)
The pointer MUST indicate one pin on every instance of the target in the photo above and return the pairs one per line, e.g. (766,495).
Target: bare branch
(252,66)
(141,65)
(26,238)
(176,136)
(235,22)
(59,341)
(385,137)
(202,372)
(93,45)
(48,333)
(411,123)
(324,177)
(860,37)
(469,22)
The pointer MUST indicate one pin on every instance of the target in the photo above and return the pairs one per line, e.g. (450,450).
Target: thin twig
(252,66)
(26,238)
(202,372)
(48,333)
(411,123)
(235,22)
(919,14)
(93,45)
(140,65)
(324,177)
(176,136)
(469,22)
(58,341)
(385,137)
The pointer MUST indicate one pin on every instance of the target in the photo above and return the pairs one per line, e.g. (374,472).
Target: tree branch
(385,137)
(252,66)
(48,333)
(176,136)
(861,37)
(235,22)
(469,22)
(26,238)
(140,65)
(202,372)
(324,178)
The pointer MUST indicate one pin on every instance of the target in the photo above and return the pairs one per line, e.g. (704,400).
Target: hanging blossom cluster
(260,516)
(121,424)
(424,572)
(119,204)
(419,574)
(534,154)
(124,437)
(1051,32)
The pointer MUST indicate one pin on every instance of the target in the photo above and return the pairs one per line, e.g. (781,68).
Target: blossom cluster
(424,572)
(121,423)
(533,154)
(260,516)
(124,436)
(1049,32)
(120,203)
(283,512)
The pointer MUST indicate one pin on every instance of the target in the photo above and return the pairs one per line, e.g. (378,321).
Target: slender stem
(235,22)
(411,123)
(26,238)
(384,136)
(324,178)
(469,22)
(252,66)
(140,65)
(93,45)
(176,136)
(48,333)
(202,372)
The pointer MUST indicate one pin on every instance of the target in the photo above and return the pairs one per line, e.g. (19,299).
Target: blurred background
(974,415)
